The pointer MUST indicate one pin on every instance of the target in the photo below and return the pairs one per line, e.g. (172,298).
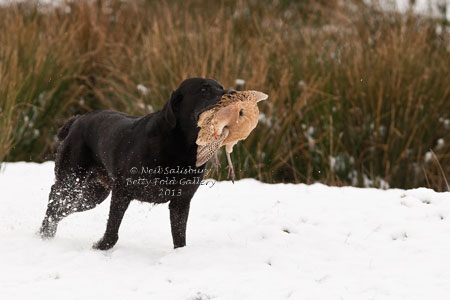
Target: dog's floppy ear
(170,107)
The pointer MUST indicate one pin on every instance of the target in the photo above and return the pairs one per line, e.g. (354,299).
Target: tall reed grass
(357,95)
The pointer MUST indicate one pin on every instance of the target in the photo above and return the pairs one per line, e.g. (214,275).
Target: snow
(425,7)
(440,144)
(143,89)
(245,241)
(428,157)
(301,84)
(239,82)
(434,8)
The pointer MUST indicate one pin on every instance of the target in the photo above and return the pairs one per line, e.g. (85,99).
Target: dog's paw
(48,230)
(45,235)
(104,243)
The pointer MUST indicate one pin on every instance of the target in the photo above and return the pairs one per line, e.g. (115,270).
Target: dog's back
(64,130)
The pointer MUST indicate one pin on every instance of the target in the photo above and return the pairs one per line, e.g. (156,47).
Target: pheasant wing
(205,135)
(205,152)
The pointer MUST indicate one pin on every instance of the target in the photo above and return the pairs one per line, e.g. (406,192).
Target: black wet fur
(99,149)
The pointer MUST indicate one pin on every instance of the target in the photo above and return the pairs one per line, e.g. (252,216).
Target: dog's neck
(185,140)
(174,140)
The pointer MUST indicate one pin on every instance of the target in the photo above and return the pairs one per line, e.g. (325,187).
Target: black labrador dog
(150,158)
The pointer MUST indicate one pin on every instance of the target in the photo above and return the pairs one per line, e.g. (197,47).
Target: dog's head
(190,99)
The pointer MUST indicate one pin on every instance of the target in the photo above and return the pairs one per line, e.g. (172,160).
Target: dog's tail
(64,130)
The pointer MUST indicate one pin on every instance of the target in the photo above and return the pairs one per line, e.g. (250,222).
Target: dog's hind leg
(69,196)
(119,204)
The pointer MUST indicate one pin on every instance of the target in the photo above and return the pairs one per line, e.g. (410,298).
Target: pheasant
(230,121)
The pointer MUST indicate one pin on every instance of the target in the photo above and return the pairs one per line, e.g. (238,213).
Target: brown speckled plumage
(230,121)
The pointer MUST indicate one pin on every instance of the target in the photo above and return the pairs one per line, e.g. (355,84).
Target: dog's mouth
(211,105)
(208,107)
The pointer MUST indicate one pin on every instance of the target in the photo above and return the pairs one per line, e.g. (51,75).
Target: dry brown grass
(355,94)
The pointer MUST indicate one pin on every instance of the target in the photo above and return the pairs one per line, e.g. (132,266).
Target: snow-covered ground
(245,241)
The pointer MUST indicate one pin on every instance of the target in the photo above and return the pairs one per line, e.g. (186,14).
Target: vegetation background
(358,95)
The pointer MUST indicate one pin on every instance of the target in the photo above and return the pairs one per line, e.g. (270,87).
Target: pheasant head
(238,113)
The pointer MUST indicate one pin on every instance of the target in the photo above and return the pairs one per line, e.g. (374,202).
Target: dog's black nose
(230,92)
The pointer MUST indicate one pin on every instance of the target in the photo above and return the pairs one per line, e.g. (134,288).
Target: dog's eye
(241,112)
(205,88)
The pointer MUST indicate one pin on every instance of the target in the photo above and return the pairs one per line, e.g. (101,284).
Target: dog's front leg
(119,205)
(179,212)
